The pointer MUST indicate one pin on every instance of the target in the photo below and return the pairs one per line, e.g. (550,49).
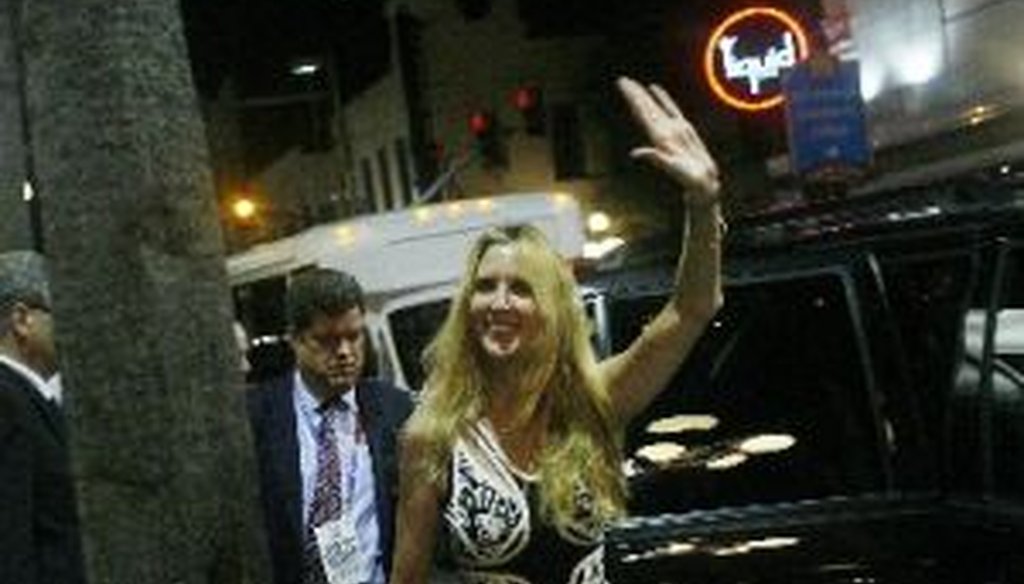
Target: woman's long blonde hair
(583,447)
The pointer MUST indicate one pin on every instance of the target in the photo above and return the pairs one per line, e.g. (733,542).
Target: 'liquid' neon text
(757,69)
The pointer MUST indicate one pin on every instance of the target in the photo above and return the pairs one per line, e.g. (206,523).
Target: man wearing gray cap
(38,521)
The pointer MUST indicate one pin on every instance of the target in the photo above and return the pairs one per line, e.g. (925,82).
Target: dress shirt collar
(32,377)
(308,403)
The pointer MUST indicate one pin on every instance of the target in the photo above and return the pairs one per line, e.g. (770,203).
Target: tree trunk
(161,448)
(15,227)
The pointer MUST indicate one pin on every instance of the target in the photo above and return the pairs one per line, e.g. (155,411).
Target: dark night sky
(252,41)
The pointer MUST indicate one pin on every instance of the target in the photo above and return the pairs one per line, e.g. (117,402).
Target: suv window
(1007,383)
(928,295)
(974,410)
(772,405)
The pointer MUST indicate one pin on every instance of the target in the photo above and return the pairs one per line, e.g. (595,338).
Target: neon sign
(747,54)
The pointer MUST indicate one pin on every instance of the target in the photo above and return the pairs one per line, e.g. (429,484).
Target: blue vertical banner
(825,120)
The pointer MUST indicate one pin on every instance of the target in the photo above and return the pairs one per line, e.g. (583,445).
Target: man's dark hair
(321,291)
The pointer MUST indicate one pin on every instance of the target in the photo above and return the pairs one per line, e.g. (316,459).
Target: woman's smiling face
(503,308)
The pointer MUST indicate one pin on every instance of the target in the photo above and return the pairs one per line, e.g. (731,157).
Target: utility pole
(160,444)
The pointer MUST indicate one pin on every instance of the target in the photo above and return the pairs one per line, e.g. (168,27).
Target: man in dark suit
(38,519)
(325,443)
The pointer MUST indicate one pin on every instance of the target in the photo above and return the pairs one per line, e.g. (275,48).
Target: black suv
(855,413)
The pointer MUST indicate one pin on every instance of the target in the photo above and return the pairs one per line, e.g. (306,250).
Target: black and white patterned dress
(493,524)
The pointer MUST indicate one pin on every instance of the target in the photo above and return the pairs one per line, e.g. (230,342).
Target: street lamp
(598,222)
(244,209)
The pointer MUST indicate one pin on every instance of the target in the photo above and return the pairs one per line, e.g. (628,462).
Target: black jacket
(383,409)
(39,539)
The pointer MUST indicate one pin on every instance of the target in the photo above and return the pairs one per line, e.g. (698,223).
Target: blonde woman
(514,453)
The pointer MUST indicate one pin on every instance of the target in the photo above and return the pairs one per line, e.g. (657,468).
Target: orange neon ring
(709,55)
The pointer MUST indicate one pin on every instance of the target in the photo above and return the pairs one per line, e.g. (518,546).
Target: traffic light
(480,123)
(487,134)
(529,101)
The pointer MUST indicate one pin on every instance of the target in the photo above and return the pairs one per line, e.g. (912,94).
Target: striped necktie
(326,504)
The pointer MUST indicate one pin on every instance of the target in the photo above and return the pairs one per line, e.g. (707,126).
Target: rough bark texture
(161,447)
(14,215)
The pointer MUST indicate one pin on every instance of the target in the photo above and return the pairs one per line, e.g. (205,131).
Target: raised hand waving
(674,145)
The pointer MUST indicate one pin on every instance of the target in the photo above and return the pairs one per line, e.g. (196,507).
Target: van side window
(772,405)
(412,330)
(260,307)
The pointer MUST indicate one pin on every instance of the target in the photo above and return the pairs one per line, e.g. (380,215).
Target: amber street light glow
(598,222)
(244,209)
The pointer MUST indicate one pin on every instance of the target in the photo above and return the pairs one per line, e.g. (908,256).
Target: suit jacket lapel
(284,448)
(52,414)
(371,418)
(48,411)
(369,414)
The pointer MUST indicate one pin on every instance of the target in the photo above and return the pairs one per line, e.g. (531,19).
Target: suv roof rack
(969,201)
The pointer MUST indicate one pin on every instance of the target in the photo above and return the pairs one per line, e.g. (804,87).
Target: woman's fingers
(654,157)
(653,108)
(666,102)
(642,105)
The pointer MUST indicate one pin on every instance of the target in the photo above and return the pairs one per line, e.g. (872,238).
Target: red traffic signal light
(480,123)
(529,100)
(525,98)
(486,133)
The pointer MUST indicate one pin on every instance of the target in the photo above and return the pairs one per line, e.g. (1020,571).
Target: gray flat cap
(23,278)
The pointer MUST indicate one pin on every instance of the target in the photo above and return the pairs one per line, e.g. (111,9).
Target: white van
(408,263)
